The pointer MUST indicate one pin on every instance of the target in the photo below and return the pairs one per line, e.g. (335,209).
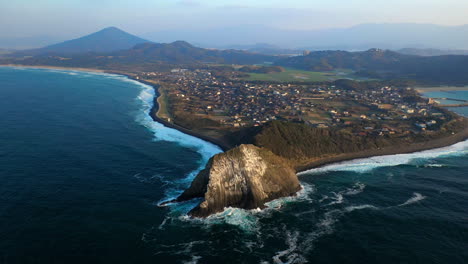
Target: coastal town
(235,103)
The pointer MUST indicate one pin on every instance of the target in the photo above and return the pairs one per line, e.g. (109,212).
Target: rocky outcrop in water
(244,177)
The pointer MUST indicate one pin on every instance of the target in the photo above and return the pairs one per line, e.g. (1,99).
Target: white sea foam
(339,197)
(146,96)
(163,133)
(302,195)
(289,255)
(435,166)
(161,226)
(416,198)
(247,220)
(357,188)
(360,207)
(326,226)
(368,164)
(194,260)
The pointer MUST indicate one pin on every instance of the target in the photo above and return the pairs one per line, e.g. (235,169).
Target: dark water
(82,168)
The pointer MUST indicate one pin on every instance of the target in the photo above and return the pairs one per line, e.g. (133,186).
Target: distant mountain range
(115,48)
(361,37)
(267,49)
(112,46)
(276,41)
(5,51)
(431,52)
(107,40)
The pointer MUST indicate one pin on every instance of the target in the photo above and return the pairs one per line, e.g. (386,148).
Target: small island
(245,177)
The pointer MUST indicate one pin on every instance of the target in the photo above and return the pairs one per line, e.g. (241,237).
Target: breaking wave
(163,133)
(297,243)
(368,164)
(248,220)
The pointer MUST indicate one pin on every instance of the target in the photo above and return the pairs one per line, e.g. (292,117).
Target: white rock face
(244,177)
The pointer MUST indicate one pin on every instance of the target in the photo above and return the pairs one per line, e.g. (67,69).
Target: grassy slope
(291,75)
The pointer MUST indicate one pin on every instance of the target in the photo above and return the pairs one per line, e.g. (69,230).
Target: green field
(291,75)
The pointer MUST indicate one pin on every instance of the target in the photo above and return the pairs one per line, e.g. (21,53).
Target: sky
(71,18)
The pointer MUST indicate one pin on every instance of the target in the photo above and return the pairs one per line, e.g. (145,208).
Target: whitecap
(339,197)
(289,255)
(360,207)
(416,198)
(194,260)
(356,189)
(435,166)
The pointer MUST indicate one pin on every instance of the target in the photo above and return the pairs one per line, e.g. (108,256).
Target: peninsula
(308,125)
(273,120)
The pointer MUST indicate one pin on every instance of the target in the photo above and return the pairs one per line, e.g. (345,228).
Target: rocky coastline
(400,149)
(245,177)
(227,182)
(248,176)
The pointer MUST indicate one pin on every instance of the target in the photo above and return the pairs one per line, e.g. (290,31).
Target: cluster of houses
(238,103)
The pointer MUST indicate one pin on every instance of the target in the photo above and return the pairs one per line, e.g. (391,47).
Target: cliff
(244,177)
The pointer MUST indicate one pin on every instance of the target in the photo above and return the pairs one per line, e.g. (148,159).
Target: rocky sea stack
(245,177)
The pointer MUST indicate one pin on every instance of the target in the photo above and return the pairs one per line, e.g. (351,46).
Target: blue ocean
(459,96)
(83,167)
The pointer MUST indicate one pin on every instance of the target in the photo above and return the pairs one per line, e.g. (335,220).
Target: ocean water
(459,95)
(83,167)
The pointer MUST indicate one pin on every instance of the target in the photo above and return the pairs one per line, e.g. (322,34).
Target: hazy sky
(68,18)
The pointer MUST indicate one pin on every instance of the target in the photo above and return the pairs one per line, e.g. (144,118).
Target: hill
(431,52)
(181,52)
(107,40)
(377,63)
(142,55)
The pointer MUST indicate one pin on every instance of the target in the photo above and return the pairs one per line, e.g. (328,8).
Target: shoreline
(54,68)
(411,148)
(154,109)
(154,115)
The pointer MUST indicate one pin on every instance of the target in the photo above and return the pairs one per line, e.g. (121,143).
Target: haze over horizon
(75,18)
